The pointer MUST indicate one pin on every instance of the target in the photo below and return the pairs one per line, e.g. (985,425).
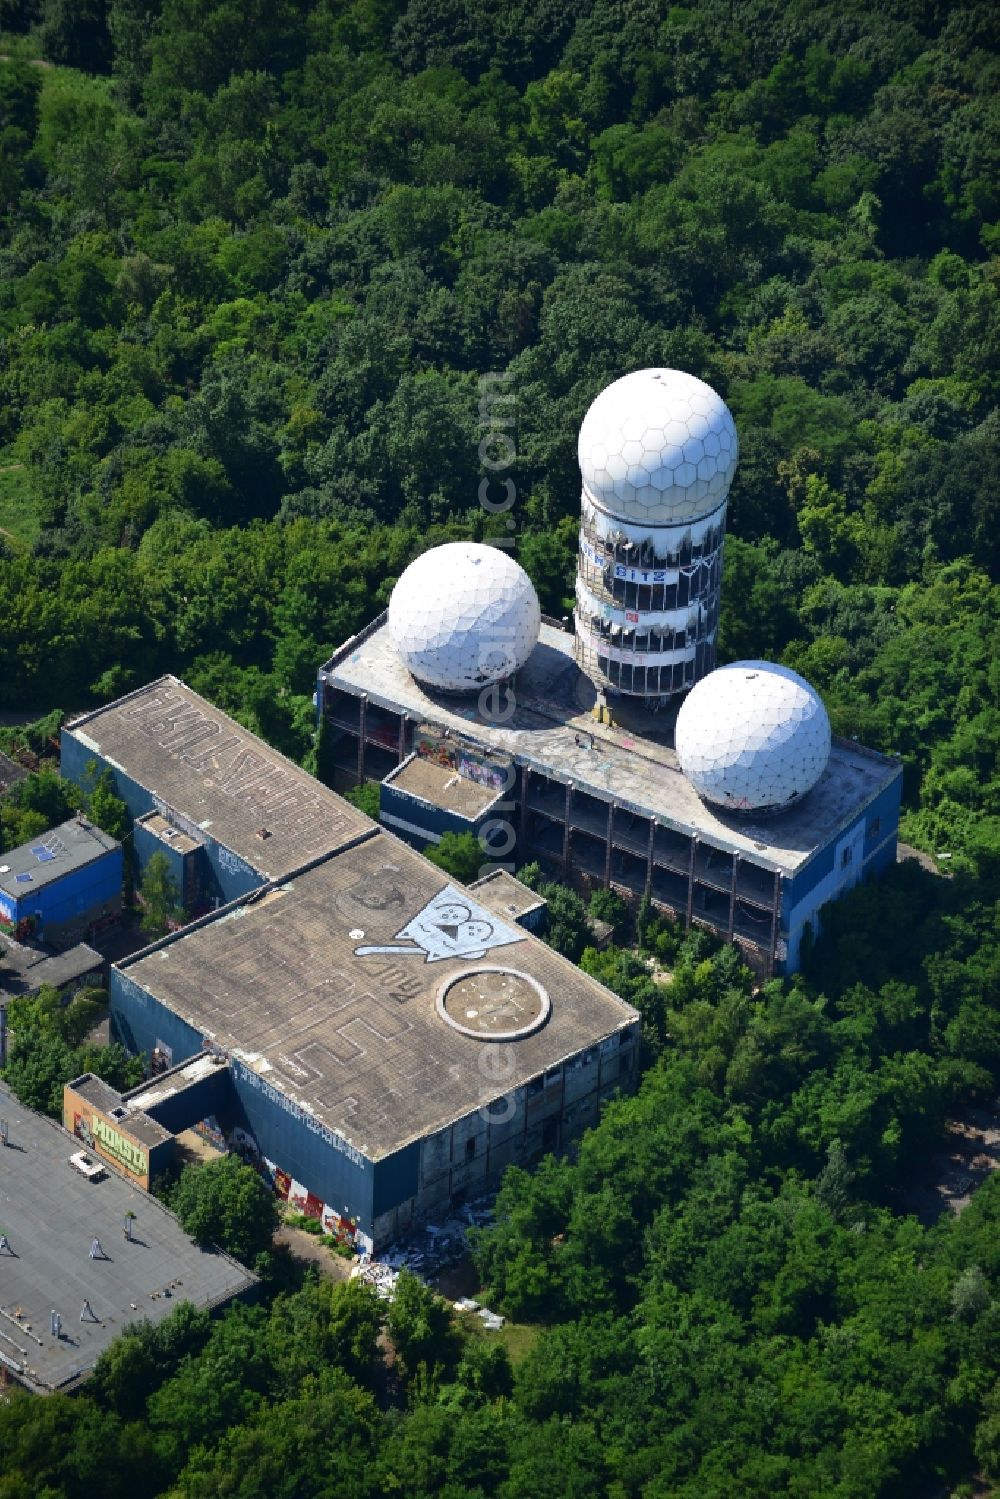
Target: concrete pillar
(690,909)
(775,913)
(362,730)
(732,897)
(607,851)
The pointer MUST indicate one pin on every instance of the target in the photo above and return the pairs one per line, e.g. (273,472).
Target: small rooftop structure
(180,750)
(51,1266)
(94,1090)
(509,898)
(24,970)
(444,788)
(73,845)
(154,1093)
(167,834)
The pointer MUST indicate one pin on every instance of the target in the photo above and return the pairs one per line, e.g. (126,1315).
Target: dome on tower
(752,737)
(463,616)
(658,446)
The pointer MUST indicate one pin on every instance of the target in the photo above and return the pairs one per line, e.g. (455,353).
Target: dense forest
(256,259)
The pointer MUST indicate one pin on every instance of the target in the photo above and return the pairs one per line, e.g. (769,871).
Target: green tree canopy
(225,1202)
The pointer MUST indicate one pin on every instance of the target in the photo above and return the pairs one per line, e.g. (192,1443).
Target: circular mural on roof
(493,1004)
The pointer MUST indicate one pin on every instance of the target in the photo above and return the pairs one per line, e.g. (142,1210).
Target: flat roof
(506,895)
(443,787)
(326,986)
(51,1215)
(94,1090)
(48,857)
(169,836)
(219,777)
(25,969)
(552,729)
(169,1084)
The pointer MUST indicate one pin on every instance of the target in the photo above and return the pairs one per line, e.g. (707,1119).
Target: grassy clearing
(517,1337)
(19,518)
(18,513)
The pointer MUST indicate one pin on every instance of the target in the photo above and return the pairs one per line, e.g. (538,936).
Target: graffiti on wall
(342,1226)
(451,755)
(209,1131)
(123,1151)
(484,775)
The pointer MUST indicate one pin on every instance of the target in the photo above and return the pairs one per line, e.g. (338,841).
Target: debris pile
(431,1248)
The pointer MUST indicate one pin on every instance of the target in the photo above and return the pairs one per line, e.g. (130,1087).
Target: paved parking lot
(51,1216)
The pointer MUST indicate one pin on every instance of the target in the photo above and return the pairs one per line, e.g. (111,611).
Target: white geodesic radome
(463,615)
(752,737)
(658,446)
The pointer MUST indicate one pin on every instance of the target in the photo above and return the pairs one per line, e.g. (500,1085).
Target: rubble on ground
(429,1249)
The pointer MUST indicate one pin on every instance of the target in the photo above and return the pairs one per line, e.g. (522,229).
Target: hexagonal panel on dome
(463,616)
(752,737)
(678,420)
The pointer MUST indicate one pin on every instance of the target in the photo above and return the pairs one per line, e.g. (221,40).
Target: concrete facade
(252,813)
(602,804)
(319,994)
(315,977)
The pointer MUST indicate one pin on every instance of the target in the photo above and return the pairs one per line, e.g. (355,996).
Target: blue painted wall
(300,1145)
(191,871)
(396,1178)
(871,838)
(882,819)
(433,821)
(285,1134)
(211,1094)
(884,811)
(146,844)
(74,759)
(72,897)
(226,875)
(138,1021)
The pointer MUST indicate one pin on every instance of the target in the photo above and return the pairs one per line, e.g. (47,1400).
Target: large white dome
(464,615)
(752,737)
(658,446)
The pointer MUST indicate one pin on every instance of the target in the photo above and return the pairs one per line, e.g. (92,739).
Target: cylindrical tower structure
(657,453)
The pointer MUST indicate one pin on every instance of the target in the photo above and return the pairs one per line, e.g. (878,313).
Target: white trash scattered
(431,1248)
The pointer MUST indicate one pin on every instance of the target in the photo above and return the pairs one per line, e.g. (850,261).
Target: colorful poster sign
(118,1148)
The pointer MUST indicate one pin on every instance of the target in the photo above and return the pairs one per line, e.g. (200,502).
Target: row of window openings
(648,640)
(647,679)
(871,831)
(644,554)
(649,596)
